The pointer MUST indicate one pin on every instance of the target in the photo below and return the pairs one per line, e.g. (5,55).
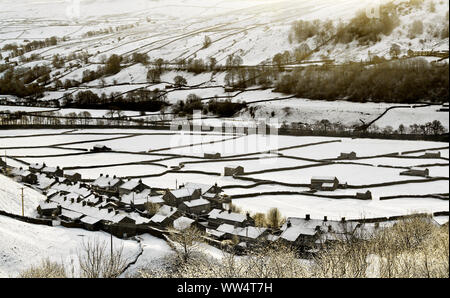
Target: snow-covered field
(298,206)
(248,152)
(21,243)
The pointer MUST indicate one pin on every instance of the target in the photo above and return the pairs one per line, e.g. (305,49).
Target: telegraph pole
(23,211)
(111,245)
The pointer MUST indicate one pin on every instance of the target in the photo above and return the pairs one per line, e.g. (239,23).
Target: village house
(52,171)
(107,185)
(91,223)
(215,234)
(324,183)
(307,233)
(348,155)
(176,197)
(217,201)
(205,188)
(107,204)
(197,207)
(70,216)
(132,186)
(36,167)
(248,234)
(209,155)
(72,176)
(233,170)
(416,172)
(47,208)
(44,183)
(63,180)
(140,200)
(218,217)
(24,176)
(165,216)
(94,218)
(92,199)
(77,189)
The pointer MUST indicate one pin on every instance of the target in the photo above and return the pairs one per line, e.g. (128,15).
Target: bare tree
(97,262)
(189,241)
(274,219)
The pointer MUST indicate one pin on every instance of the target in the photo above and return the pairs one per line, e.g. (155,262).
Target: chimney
(107,175)
(325,218)
(101,174)
(288,224)
(307,217)
(117,212)
(72,200)
(65,198)
(110,210)
(84,203)
(330,229)
(343,219)
(229,211)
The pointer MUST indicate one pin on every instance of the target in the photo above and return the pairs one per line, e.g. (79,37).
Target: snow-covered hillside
(11,197)
(23,245)
(256,30)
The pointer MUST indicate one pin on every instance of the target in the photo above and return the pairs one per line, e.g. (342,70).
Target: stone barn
(429,154)
(416,172)
(364,195)
(212,155)
(324,183)
(100,148)
(348,155)
(233,170)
